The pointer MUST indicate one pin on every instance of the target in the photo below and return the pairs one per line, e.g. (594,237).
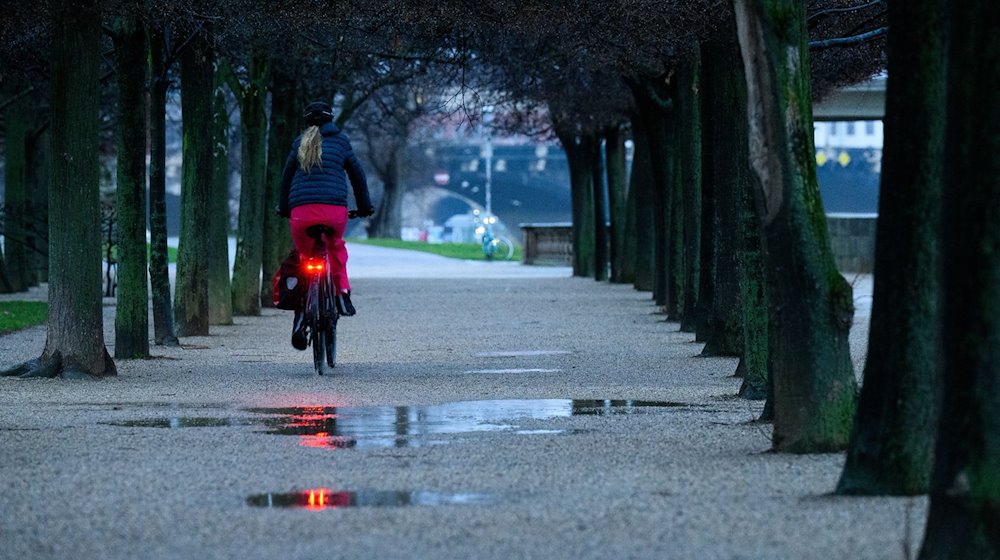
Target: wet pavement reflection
(333,427)
(322,498)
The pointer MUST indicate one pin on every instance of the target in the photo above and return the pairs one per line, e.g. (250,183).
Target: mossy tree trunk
(614,154)
(726,176)
(892,445)
(754,366)
(250,231)
(709,212)
(810,303)
(965,487)
(16,220)
(651,107)
(286,108)
(197,89)
(74,347)
(689,151)
(159,277)
(600,209)
(220,295)
(640,195)
(674,200)
(132,309)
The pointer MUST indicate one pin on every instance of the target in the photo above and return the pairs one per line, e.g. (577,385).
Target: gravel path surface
(461,416)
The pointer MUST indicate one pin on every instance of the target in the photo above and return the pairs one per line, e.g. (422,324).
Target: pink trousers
(336,218)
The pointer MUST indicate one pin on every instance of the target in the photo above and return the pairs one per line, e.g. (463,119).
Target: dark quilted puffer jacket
(326,184)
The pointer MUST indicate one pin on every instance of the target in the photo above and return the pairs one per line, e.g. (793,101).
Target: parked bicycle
(321,314)
(494,246)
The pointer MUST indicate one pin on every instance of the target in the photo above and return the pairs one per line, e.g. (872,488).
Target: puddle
(417,426)
(141,405)
(184,422)
(609,407)
(321,498)
(515,370)
(332,427)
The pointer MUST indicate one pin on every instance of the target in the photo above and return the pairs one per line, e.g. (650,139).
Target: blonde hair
(311,149)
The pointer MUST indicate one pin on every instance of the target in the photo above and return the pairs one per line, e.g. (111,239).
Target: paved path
(474,414)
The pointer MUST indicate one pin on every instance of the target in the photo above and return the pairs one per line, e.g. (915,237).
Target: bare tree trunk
(5,286)
(37,154)
(581,180)
(159,277)
(892,445)
(197,82)
(388,220)
(810,303)
(74,347)
(132,313)
(965,488)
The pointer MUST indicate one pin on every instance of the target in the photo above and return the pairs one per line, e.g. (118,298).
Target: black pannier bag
(289,284)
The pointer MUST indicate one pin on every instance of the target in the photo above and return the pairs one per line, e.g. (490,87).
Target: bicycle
(321,314)
(494,247)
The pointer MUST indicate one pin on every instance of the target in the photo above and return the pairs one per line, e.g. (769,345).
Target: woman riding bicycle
(314,191)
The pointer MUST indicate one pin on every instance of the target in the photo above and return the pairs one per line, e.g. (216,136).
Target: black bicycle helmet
(317,113)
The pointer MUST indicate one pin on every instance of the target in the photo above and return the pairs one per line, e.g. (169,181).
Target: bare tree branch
(832,11)
(846,41)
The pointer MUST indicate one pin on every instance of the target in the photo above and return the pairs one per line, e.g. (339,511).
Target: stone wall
(852,239)
(548,244)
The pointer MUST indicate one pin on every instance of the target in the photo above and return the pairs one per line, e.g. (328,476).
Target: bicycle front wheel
(331,344)
(502,249)
(319,344)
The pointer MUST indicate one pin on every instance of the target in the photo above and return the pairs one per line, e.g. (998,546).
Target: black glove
(364,213)
(277,210)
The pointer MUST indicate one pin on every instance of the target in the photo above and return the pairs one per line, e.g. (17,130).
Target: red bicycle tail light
(314,265)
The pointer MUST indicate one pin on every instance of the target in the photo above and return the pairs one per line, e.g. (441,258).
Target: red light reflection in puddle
(322,498)
(316,427)
(323,440)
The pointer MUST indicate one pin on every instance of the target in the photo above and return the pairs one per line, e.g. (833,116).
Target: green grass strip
(16,315)
(465,251)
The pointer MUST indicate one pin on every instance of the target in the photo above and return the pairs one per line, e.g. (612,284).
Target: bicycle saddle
(317,231)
